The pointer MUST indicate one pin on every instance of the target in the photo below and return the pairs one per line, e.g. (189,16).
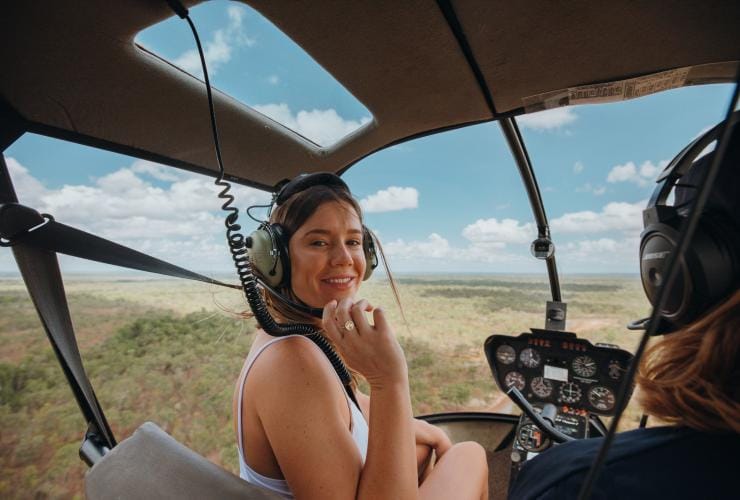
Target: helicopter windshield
(449,209)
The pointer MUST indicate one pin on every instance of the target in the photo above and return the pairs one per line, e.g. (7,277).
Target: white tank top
(357,424)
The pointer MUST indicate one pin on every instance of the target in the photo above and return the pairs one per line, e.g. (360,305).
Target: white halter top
(358,428)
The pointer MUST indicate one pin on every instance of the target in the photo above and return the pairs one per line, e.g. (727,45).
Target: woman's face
(326,257)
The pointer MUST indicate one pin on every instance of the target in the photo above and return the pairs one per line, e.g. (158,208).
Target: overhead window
(254,62)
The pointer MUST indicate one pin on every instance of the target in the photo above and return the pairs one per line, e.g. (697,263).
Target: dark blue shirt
(655,463)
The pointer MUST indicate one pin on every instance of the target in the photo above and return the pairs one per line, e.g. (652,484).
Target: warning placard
(609,92)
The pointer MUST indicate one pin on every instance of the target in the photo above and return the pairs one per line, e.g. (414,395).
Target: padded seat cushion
(150,464)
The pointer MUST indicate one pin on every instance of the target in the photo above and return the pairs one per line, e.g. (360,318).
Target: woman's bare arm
(305,416)
(390,468)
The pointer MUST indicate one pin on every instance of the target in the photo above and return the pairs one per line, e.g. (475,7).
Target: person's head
(692,377)
(324,231)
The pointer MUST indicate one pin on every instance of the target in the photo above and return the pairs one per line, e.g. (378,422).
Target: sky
(449,202)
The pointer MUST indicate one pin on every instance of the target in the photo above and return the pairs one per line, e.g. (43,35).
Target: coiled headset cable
(238,249)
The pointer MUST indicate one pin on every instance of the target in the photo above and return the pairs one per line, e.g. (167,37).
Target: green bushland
(520,285)
(166,351)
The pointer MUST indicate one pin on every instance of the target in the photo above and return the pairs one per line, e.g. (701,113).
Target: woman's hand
(429,435)
(371,349)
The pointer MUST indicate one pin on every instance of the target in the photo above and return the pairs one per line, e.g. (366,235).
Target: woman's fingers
(329,322)
(358,316)
(443,443)
(343,316)
(381,324)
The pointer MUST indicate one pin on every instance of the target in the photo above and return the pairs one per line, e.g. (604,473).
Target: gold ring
(349,325)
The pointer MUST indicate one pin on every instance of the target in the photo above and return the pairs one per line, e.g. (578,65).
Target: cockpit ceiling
(73,70)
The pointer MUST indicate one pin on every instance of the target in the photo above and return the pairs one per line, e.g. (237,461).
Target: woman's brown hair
(692,377)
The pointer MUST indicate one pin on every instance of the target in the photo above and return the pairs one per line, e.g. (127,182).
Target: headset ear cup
(282,268)
(371,255)
(268,255)
(705,272)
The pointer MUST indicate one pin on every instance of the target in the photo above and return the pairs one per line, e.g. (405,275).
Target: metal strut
(555,319)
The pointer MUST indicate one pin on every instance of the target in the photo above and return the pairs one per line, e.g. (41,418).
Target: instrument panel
(557,367)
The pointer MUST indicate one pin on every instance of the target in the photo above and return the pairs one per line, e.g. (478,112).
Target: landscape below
(169,351)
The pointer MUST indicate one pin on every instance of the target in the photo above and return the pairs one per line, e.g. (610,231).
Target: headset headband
(304,181)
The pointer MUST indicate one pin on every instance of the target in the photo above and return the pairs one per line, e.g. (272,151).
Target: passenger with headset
(690,379)
(299,433)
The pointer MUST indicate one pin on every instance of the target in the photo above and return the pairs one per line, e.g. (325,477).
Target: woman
(689,379)
(297,430)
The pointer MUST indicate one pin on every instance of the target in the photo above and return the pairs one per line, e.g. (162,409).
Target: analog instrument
(615,369)
(531,438)
(515,379)
(505,354)
(584,366)
(541,387)
(601,398)
(570,393)
(530,358)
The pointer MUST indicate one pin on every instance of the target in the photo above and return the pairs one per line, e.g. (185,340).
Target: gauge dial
(601,398)
(570,393)
(530,358)
(584,366)
(515,379)
(541,387)
(505,354)
(531,439)
(615,369)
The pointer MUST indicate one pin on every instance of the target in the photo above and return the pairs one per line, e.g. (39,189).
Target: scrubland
(169,351)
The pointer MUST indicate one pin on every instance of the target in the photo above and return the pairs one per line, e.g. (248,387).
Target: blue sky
(450,202)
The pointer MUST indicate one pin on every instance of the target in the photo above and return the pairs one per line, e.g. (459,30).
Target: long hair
(692,377)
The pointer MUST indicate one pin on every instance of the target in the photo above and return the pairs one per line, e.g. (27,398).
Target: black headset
(268,244)
(710,269)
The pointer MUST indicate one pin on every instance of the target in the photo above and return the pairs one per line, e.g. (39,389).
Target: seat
(151,464)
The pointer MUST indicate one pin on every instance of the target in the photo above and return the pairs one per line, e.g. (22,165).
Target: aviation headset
(268,245)
(710,269)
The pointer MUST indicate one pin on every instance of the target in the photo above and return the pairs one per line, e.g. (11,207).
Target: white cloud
(642,175)
(156,170)
(615,216)
(219,49)
(435,246)
(578,167)
(126,207)
(273,79)
(392,199)
(550,119)
(609,253)
(436,250)
(502,232)
(322,126)
(589,188)
(27,188)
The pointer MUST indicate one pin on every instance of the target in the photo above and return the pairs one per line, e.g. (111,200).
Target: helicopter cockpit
(81,79)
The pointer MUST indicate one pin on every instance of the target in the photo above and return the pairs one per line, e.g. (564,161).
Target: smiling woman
(298,432)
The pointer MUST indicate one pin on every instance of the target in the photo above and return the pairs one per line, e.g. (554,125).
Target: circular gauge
(584,366)
(505,354)
(601,398)
(541,387)
(531,439)
(530,358)
(570,393)
(515,379)
(615,369)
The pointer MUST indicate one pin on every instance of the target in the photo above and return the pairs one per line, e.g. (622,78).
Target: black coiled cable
(238,249)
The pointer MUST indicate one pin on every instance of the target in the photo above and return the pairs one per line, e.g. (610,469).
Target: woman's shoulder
(279,359)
